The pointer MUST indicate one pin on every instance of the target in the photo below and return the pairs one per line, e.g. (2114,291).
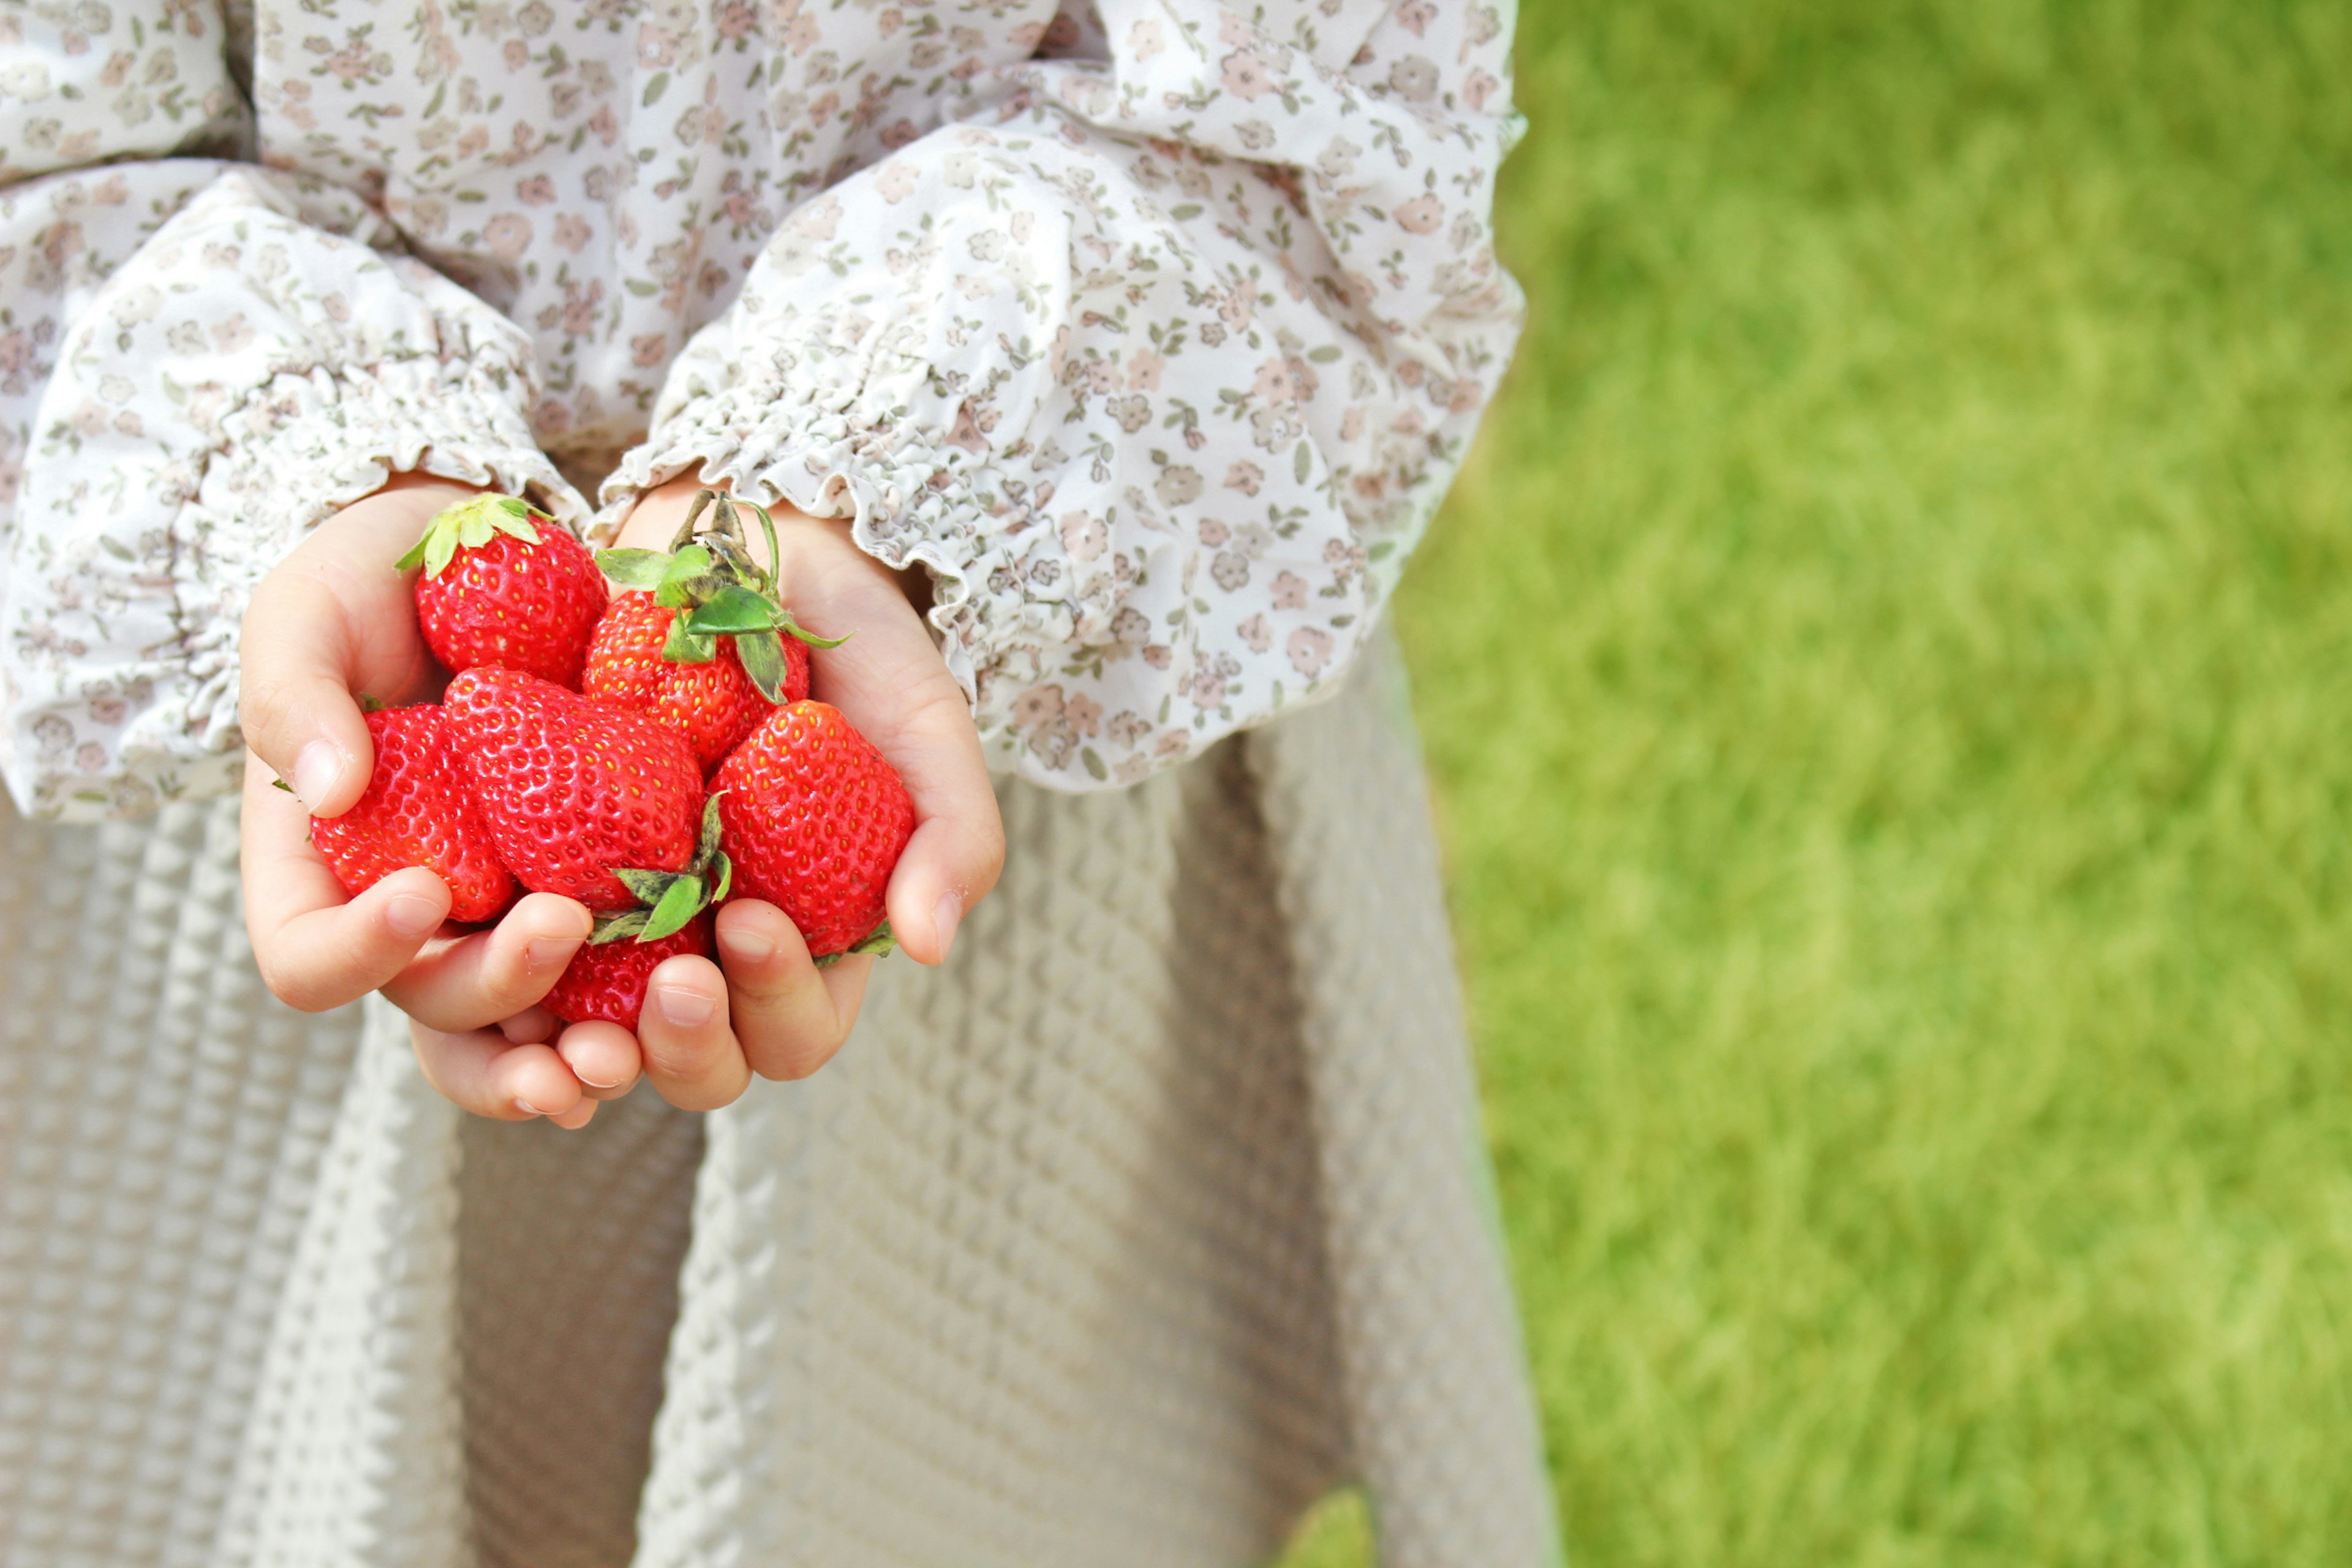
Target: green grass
(1886,674)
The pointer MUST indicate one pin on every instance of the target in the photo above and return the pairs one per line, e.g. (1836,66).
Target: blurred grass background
(1885,674)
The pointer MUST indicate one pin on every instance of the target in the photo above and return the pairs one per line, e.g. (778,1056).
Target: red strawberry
(415,813)
(525,594)
(704,644)
(715,703)
(814,819)
(608,982)
(574,789)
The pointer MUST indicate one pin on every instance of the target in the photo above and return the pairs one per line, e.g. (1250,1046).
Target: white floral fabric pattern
(1154,330)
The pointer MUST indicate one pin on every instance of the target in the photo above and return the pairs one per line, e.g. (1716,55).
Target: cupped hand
(335,620)
(706,1030)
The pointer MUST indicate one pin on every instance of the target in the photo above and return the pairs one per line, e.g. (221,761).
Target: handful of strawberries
(648,749)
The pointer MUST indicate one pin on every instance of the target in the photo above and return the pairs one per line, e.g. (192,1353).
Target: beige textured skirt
(1158,1212)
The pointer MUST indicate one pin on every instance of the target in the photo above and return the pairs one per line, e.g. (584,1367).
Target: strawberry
(606,979)
(715,704)
(607,982)
(701,642)
(814,818)
(415,813)
(574,790)
(523,596)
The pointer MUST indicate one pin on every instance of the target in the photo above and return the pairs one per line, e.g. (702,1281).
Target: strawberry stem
(718,589)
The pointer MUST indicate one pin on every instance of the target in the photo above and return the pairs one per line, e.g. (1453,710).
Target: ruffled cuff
(149,713)
(302,448)
(912,496)
(237,378)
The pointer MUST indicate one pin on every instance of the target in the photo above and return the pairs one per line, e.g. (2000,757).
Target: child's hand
(334,620)
(772,1012)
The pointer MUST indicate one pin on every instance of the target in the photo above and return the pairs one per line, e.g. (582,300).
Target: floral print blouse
(1153,329)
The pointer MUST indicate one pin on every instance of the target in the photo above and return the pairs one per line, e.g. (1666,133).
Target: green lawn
(1886,676)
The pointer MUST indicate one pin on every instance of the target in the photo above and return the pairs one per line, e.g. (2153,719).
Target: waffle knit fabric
(1113,1264)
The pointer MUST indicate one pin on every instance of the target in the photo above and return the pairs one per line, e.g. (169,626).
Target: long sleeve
(1158,356)
(199,361)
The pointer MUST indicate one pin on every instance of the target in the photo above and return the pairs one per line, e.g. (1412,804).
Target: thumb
(295,702)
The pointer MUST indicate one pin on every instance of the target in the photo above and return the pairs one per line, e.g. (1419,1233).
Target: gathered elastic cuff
(291,453)
(306,445)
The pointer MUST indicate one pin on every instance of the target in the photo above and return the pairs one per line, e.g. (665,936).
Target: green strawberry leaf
(736,566)
(734,608)
(440,548)
(768,527)
(650,887)
(707,845)
(470,524)
(684,901)
(613,928)
(877,942)
(762,654)
(639,569)
(682,646)
(726,870)
(519,524)
(684,567)
(808,637)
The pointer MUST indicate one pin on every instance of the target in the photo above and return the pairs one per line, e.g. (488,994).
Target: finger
(333,618)
(605,1058)
(573,1119)
(531,1027)
(481,1072)
(331,956)
(957,852)
(316,947)
(789,1016)
(692,1057)
(952,860)
(285,878)
(478,980)
(296,656)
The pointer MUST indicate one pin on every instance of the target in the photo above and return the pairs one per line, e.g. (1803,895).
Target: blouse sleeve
(199,359)
(1158,356)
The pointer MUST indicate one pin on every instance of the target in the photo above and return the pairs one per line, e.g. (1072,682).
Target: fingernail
(411,915)
(542,951)
(943,921)
(686,1008)
(316,769)
(746,947)
(583,1078)
(526,1107)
